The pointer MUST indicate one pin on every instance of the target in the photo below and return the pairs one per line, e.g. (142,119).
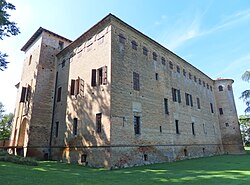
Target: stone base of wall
(128,156)
(234,149)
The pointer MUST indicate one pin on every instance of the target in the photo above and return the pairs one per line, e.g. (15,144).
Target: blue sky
(212,35)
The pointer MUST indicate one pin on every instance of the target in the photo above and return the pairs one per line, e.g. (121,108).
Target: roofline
(37,34)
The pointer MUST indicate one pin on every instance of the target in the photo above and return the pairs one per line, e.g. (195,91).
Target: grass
(227,169)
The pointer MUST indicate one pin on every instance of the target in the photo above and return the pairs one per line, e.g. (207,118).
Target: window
(166,106)
(178,69)
(220,88)
(59,93)
(23,94)
(30,59)
(121,38)
(226,124)
(221,111)
(195,79)
(137,125)
(83,158)
(156,76)
(198,103)
(163,61)
(60,45)
(134,45)
(99,76)
(184,72)
(145,51)
(211,107)
(176,94)
(57,129)
(185,152)
(229,87)
(99,122)
(177,126)
(160,129)
(154,56)
(199,81)
(63,63)
(193,129)
(204,129)
(207,86)
(77,87)
(171,66)
(204,84)
(145,157)
(136,81)
(189,99)
(211,89)
(190,76)
(75,126)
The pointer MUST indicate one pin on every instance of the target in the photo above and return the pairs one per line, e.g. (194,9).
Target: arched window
(163,61)
(171,66)
(121,38)
(134,45)
(220,88)
(229,87)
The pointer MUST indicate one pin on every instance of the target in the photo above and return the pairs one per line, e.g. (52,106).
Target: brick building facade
(115,98)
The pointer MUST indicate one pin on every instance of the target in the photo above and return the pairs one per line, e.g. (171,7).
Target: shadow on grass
(227,169)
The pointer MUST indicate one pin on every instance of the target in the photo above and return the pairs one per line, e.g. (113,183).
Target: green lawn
(226,170)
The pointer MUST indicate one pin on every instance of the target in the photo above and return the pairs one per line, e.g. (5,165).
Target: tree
(5,123)
(7,28)
(245,95)
(245,128)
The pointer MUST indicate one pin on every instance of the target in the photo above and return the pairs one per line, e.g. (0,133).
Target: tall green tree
(245,95)
(245,128)
(7,28)
(5,123)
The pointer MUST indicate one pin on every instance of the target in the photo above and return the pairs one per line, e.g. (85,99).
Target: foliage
(4,156)
(245,95)
(7,28)
(227,169)
(245,128)
(5,123)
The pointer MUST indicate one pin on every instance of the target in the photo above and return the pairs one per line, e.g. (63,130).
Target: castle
(116,98)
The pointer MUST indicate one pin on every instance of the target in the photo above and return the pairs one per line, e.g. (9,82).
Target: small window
(190,76)
(171,66)
(59,93)
(211,107)
(189,99)
(83,158)
(136,81)
(176,95)
(226,124)
(211,89)
(204,129)
(178,69)
(221,111)
(220,88)
(207,86)
(57,129)
(184,72)
(185,152)
(122,39)
(198,103)
(61,45)
(154,56)
(75,126)
(204,84)
(145,157)
(99,122)
(199,81)
(177,126)
(160,129)
(156,76)
(134,45)
(137,125)
(193,129)
(163,61)
(63,63)
(195,79)
(166,106)
(145,51)
(30,59)
(229,87)
(23,94)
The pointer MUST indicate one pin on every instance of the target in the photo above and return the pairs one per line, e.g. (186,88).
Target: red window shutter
(104,75)
(93,78)
(23,94)
(72,88)
(81,87)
